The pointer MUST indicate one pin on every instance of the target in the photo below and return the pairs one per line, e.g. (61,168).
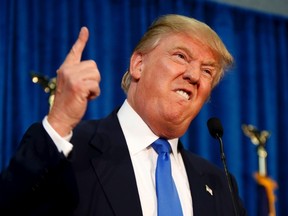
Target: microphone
(216,131)
(215,128)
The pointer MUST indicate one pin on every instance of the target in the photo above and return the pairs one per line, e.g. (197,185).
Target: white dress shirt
(139,138)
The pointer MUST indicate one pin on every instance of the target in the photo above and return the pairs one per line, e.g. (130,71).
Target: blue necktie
(167,196)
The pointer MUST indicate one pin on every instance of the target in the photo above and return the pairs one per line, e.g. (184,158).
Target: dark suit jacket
(97,178)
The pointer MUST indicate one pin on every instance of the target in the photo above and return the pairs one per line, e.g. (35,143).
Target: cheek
(204,90)
(205,93)
(152,80)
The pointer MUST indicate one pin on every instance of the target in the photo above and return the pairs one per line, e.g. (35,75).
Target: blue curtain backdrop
(36,36)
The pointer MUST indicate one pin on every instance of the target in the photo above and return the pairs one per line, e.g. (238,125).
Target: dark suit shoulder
(88,128)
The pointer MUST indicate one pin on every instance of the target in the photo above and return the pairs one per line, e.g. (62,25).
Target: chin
(173,132)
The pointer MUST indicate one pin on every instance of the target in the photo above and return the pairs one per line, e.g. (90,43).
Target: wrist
(60,125)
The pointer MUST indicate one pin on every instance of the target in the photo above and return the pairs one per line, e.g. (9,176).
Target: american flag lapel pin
(209,190)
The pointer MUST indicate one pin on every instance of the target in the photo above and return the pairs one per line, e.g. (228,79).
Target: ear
(136,65)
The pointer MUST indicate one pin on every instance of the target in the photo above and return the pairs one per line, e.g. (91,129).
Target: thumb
(75,54)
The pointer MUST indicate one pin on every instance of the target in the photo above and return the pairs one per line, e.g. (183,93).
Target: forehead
(187,43)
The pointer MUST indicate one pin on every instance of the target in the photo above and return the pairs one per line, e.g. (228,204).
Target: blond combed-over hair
(199,31)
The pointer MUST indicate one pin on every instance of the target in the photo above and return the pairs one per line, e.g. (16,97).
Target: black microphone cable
(216,131)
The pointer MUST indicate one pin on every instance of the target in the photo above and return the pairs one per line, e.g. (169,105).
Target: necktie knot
(161,146)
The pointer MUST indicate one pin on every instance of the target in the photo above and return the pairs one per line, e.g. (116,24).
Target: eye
(208,72)
(181,55)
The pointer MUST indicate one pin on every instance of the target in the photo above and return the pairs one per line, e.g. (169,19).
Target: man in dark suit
(65,166)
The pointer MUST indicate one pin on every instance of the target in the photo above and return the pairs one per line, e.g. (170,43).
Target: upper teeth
(183,93)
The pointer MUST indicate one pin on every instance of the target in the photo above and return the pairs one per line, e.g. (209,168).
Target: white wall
(278,7)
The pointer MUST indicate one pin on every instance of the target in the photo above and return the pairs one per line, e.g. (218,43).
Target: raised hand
(77,83)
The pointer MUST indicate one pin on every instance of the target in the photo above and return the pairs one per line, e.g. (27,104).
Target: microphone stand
(223,159)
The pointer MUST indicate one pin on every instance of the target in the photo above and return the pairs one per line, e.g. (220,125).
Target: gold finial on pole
(48,85)
(258,138)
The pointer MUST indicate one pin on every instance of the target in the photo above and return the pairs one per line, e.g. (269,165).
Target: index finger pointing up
(75,54)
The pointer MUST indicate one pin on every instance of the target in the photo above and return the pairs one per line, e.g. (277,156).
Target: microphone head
(215,127)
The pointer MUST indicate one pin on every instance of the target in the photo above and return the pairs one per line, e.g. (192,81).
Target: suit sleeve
(38,177)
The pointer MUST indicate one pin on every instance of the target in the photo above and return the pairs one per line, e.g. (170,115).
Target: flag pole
(259,138)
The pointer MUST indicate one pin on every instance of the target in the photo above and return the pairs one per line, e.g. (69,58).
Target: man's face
(171,83)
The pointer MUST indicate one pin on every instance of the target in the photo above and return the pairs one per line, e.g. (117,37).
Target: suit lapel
(114,168)
(202,190)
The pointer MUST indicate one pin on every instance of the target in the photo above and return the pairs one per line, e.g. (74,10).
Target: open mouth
(184,94)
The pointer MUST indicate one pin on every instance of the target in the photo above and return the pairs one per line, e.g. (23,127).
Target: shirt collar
(137,133)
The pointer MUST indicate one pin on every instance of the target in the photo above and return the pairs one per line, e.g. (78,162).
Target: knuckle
(92,63)
(98,77)
(58,71)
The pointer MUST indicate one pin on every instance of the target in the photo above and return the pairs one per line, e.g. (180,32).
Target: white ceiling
(278,7)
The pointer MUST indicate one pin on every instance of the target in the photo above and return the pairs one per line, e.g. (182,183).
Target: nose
(192,74)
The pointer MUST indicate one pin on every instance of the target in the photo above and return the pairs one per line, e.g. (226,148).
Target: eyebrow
(184,49)
(212,63)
